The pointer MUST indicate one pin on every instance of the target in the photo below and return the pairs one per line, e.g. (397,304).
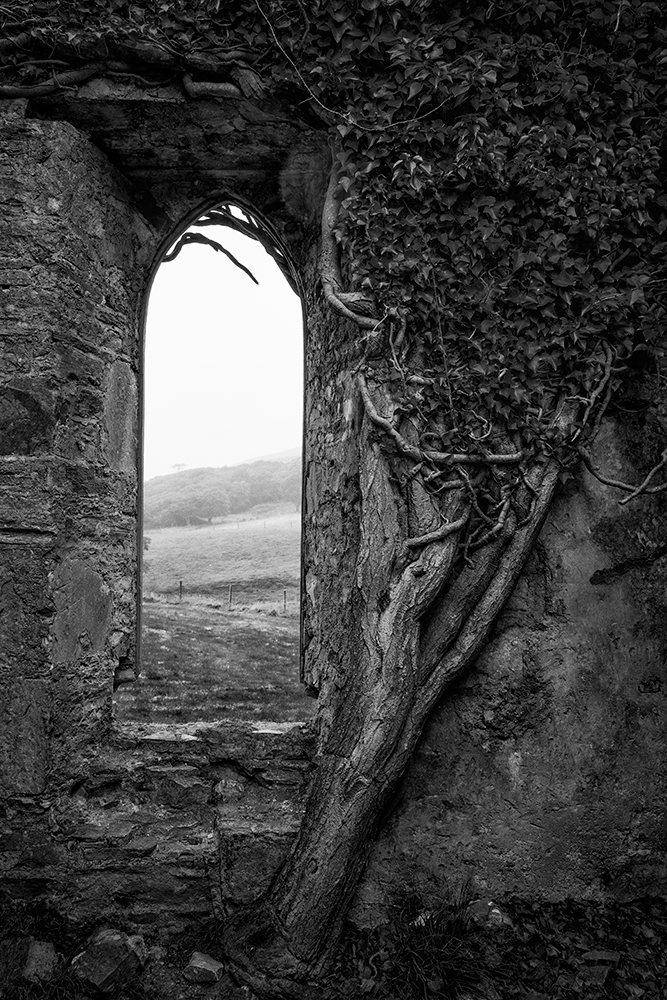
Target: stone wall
(542,773)
(111,823)
(159,830)
(68,429)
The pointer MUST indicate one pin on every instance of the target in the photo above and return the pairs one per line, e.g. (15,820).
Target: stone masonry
(542,773)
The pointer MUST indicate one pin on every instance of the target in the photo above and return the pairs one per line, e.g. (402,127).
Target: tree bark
(413,626)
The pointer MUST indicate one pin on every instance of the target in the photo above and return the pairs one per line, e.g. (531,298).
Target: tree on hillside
(210,501)
(184,498)
(490,261)
(239,495)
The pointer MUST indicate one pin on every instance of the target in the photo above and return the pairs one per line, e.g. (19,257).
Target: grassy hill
(210,654)
(259,554)
(227,644)
(196,496)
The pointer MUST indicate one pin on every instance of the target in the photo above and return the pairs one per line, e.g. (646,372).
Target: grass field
(262,551)
(203,659)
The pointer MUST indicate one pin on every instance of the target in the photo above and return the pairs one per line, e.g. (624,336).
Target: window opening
(223,412)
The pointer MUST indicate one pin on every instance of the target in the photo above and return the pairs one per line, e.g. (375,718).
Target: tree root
(215,89)
(58,81)
(330,268)
(633,490)
(258,957)
(439,457)
(151,55)
(436,536)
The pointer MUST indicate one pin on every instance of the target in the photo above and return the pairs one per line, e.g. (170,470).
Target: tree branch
(187,238)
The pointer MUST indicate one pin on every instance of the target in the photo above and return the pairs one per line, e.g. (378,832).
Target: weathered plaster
(544,772)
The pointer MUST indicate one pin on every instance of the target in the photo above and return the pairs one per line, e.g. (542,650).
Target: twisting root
(642,488)
(437,457)
(57,82)
(329,265)
(205,88)
(634,491)
(495,530)
(437,535)
(603,386)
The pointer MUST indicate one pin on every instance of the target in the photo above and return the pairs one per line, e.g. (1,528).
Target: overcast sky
(224,359)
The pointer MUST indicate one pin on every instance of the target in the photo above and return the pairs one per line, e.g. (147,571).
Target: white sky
(224,359)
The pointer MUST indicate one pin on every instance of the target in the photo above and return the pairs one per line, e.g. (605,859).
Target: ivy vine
(497,186)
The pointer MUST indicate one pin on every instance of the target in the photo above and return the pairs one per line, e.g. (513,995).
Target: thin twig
(634,491)
(642,486)
(603,384)
(346,116)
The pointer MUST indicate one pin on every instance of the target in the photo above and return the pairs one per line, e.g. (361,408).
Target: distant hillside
(196,496)
(276,456)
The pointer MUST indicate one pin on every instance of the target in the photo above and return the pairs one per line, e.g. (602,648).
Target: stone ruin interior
(544,771)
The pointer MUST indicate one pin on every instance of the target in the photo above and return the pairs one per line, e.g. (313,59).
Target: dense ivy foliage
(519,225)
(501,179)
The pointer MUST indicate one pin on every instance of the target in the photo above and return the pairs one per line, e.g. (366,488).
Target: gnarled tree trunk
(413,616)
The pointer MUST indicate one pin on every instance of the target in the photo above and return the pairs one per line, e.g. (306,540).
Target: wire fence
(242,595)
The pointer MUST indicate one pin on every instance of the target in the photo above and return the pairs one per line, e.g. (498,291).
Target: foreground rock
(486,913)
(42,962)
(29,959)
(203,969)
(110,959)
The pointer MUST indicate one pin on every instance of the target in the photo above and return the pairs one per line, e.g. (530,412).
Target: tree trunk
(407,627)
